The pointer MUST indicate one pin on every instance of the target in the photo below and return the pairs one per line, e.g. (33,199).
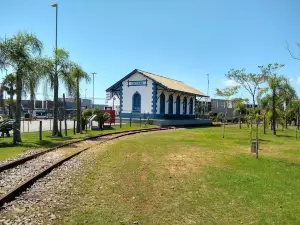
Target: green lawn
(190,176)
(31,140)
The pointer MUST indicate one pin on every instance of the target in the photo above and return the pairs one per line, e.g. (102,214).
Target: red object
(112,116)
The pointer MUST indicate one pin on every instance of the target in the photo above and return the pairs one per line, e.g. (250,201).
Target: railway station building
(144,94)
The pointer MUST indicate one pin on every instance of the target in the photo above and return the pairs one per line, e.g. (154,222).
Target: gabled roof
(168,83)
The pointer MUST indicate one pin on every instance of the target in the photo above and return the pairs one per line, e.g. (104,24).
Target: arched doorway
(170,104)
(184,105)
(162,103)
(178,105)
(136,102)
(191,110)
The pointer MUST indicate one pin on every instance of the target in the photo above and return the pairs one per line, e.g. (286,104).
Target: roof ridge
(159,75)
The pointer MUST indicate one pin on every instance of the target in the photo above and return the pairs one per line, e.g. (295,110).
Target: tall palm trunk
(55,108)
(265,124)
(11,102)
(17,127)
(32,103)
(240,119)
(274,112)
(78,128)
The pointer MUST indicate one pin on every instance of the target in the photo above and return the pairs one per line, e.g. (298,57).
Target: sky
(180,39)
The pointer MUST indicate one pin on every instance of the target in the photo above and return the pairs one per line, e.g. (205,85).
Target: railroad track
(17,176)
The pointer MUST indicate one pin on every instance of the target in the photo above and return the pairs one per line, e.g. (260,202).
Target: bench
(6,126)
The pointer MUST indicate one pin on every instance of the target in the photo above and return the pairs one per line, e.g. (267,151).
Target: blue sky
(184,40)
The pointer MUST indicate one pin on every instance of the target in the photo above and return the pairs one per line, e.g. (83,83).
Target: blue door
(170,104)
(162,103)
(178,105)
(136,103)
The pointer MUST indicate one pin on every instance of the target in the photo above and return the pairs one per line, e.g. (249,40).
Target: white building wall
(145,92)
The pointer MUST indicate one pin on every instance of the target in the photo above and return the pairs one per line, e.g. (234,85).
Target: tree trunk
(240,119)
(11,102)
(256,138)
(274,112)
(78,127)
(55,108)
(31,104)
(65,116)
(224,120)
(264,124)
(251,130)
(17,127)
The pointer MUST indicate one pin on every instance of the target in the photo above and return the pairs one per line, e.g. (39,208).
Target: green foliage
(248,81)
(87,113)
(17,52)
(101,117)
(227,92)
(220,116)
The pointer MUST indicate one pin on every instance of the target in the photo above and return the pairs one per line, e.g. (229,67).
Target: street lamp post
(55,111)
(85,93)
(93,89)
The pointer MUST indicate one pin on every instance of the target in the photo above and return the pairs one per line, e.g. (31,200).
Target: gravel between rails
(37,204)
(12,177)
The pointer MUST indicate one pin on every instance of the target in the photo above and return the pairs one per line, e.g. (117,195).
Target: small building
(144,94)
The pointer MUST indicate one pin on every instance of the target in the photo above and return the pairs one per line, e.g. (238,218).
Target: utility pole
(94,88)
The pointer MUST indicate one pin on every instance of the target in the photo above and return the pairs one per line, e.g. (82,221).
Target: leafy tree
(53,77)
(239,106)
(17,52)
(9,85)
(101,117)
(32,81)
(220,116)
(250,81)
(275,84)
(227,93)
(78,74)
(86,113)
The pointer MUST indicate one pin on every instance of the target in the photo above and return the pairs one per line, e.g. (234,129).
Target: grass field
(31,140)
(190,176)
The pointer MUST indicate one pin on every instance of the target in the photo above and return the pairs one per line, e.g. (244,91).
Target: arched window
(191,106)
(170,104)
(162,103)
(178,105)
(136,102)
(184,105)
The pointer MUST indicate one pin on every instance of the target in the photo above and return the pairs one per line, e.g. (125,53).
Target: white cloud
(291,79)
(230,83)
(298,80)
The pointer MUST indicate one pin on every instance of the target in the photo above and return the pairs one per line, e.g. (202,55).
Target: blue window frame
(191,106)
(184,105)
(178,105)
(136,102)
(162,103)
(170,108)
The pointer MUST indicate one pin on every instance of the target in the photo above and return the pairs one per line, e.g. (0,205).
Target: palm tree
(17,52)
(35,76)
(275,83)
(78,74)
(9,84)
(239,106)
(52,80)
(101,117)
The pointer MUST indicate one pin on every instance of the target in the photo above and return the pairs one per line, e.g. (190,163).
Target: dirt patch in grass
(188,161)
